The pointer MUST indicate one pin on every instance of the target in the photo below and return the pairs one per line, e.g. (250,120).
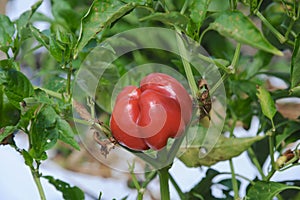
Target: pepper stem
(164,183)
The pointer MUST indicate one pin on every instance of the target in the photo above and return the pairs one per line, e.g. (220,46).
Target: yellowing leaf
(224,149)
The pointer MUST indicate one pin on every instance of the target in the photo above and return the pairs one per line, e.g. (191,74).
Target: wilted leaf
(267,190)
(224,149)
(234,24)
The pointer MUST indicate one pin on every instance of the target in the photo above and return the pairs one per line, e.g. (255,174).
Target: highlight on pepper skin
(146,117)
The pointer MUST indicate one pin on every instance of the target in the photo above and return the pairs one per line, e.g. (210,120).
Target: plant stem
(186,64)
(278,35)
(233,4)
(271,149)
(69,76)
(236,57)
(269,176)
(241,176)
(186,2)
(234,181)
(149,178)
(214,62)
(256,163)
(137,185)
(164,183)
(36,178)
(289,29)
(50,92)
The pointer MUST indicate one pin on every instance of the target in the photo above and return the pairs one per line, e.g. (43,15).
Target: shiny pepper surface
(146,117)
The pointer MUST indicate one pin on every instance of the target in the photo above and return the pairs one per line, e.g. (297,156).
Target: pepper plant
(248,41)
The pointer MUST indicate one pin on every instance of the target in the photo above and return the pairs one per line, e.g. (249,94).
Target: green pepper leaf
(100,15)
(266,190)
(295,65)
(7,31)
(236,25)
(224,149)
(39,36)
(66,133)
(28,159)
(66,15)
(218,5)
(44,133)
(266,102)
(198,11)
(17,87)
(55,49)
(69,192)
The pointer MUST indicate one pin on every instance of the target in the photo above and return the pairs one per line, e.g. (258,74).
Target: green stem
(176,186)
(214,62)
(236,57)
(269,176)
(219,82)
(50,92)
(234,181)
(186,2)
(271,149)
(149,178)
(32,50)
(164,183)
(277,34)
(241,176)
(1,100)
(256,163)
(69,76)
(136,183)
(186,64)
(233,4)
(164,5)
(36,178)
(289,29)
(202,34)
